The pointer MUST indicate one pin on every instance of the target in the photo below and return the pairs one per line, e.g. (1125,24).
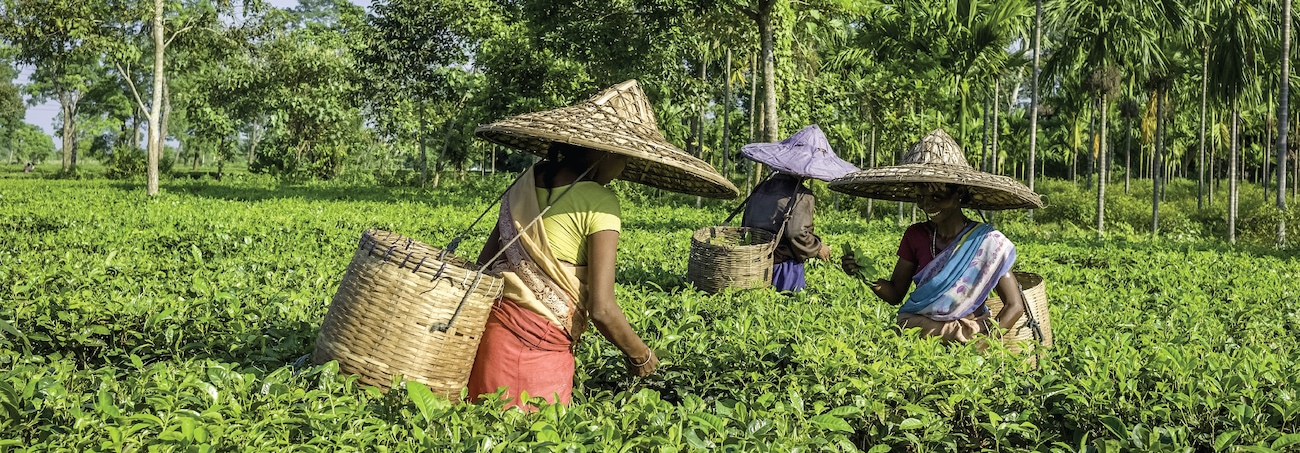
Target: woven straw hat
(937,158)
(617,120)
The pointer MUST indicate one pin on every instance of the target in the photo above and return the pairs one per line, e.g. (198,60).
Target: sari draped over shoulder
(527,343)
(534,278)
(960,278)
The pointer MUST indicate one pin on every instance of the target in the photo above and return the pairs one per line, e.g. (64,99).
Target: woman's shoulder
(595,194)
(592,188)
(918,227)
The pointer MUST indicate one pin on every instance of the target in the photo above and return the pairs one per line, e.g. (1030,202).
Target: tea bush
(171,323)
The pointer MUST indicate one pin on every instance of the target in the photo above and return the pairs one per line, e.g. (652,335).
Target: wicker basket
(1035,326)
(730,257)
(402,311)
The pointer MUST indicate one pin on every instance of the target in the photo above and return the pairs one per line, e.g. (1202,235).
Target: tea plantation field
(171,323)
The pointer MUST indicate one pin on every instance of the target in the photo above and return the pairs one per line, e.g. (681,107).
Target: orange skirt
(522,352)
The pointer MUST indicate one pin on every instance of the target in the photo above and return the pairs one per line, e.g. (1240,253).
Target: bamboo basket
(1034,327)
(730,257)
(407,309)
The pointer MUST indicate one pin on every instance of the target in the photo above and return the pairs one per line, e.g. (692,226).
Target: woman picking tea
(556,239)
(954,261)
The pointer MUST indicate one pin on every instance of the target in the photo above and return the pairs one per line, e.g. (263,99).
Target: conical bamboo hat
(617,120)
(937,158)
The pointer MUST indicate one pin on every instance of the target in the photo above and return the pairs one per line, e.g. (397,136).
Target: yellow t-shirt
(587,208)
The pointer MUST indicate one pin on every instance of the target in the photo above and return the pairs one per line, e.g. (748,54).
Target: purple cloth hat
(806,154)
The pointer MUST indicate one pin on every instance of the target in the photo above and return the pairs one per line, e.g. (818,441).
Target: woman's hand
(642,366)
(1013,306)
(882,287)
(605,313)
(824,253)
(850,264)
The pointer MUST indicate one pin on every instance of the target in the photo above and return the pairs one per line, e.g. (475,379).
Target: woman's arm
(602,250)
(1008,289)
(804,243)
(491,248)
(894,289)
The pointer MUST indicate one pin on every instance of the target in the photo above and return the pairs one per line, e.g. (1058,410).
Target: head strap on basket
(478,275)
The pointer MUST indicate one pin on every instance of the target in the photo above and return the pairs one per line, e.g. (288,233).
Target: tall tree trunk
(1092,144)
(166,119)
(770,131)
(1212,183)
(1205,84)
(1074,167)
(1033,102)
(135,128)
(254,137)
(896,157)
(1102,162)
(753,119)
(221,163)
(993,168)
(726,119)
(420,138)
(873,164)
(984,137)
(446,141)
(1155,164)
(68,104)
(1128,147)
(155,104)
(1264,176)
(1233,174)
(1282,120)
(699,118)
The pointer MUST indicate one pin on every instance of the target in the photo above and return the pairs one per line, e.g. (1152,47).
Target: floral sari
(960,278)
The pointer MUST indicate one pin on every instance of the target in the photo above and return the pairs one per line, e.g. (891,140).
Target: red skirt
(522,352)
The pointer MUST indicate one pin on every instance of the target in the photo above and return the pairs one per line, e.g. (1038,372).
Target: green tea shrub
(174,322)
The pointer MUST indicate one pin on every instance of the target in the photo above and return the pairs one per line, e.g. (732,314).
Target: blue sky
(43,115)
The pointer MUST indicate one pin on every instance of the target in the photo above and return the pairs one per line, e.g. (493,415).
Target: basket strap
(733,213)
(478,275)
(455,242)
(1032,321)
(789,211)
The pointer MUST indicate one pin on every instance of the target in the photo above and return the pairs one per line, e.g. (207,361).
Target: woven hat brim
(898,183)
(652,162)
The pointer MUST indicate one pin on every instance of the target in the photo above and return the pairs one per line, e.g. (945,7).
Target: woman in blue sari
(954,261)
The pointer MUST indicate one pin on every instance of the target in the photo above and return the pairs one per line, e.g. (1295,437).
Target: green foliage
(27,143)
(173,326)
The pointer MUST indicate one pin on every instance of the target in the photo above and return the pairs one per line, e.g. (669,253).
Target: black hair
(966,198)
(561,152)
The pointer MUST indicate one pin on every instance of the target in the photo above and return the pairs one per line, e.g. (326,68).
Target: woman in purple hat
(784,198)
(767,208)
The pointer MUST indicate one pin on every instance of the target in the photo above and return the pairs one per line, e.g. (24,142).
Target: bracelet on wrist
(650,355)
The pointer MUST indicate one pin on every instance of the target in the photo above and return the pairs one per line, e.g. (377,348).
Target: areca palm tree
(1233,52)
(964,40)
(1033,97)
(1101,35)
(1282,118)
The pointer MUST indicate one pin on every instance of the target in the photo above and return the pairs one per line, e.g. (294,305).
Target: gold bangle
(647,359)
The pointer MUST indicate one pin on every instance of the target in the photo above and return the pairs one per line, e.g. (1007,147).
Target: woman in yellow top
(523,347)
(559,271)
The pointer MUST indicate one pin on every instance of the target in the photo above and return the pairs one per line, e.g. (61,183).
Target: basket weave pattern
(386,317)
(1021,337)
(937,159)
(618,120)
(719,259)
